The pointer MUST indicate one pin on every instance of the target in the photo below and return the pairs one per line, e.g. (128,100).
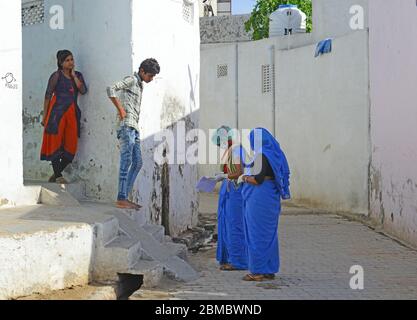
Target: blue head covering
(263,142)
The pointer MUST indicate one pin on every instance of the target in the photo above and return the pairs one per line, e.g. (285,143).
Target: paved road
(317,253)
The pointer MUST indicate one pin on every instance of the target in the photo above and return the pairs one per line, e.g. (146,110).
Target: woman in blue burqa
(231,244)
(266,182)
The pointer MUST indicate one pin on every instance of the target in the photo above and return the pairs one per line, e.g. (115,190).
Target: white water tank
(288,19)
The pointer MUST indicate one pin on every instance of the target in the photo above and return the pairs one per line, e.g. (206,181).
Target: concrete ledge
(40,261)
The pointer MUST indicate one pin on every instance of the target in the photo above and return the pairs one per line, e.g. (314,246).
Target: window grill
(268,78)
(222,70)
(188,12)
(33,12)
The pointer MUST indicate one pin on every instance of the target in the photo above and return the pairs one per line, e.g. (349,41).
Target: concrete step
(175,267)
(158,232)
(43,256)
(136,216)
(76,189)
(152,272)
(107,231)
(56,195)
(119,256)
(177,249)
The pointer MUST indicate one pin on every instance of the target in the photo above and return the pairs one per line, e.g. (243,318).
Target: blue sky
(242,6)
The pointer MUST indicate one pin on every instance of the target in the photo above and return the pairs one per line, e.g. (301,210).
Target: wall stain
(328,147)
(172,111)
(29,121)
(165,185)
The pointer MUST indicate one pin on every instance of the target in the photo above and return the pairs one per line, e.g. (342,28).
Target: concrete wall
(237,99)
(171,102)
(393,51)
(323,123)
(91,44)
(224,29)
(122,35)
(11,169)
(43,261)
(332,18)
(321,106)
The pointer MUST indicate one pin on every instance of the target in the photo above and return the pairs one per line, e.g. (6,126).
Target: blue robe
(262,206)
(231,244)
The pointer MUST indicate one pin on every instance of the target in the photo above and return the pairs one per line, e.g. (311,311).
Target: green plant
(259,20)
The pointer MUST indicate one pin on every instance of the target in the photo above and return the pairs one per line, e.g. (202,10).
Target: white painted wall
(11,170)
(393,51)
(173,97)
(44,261)
(102,54)
(322,123)
(219,96)
(322,107)
(123,34)
(332,18)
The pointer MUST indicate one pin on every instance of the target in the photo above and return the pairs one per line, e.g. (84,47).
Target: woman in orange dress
(61,117)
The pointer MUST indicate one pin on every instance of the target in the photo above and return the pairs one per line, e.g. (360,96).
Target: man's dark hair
(150,66)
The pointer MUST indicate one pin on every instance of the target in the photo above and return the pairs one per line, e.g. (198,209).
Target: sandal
(255,277)
(123,204)
(61,180)
(52,179)
(137,206)
(228,267)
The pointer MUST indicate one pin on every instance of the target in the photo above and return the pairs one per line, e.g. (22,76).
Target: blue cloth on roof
(323,47)
(262,205)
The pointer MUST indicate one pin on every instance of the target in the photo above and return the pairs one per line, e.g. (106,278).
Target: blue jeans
(130,160)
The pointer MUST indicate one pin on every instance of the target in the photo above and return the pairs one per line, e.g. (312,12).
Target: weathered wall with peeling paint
(11,169)
(393,52)
(123,34)
(90,43)
(172,102)
(224,29)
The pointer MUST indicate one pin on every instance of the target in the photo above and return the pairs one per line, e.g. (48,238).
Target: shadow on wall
(166,191)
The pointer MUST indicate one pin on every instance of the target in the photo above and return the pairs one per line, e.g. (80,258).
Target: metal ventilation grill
(268,78)
(222,70)
(188,12)
(33,12)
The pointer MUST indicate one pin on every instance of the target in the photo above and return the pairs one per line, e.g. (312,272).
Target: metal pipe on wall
(237,85)
(273,68)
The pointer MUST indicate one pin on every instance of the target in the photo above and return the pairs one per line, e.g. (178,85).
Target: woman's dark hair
(61,56)
(150,66)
